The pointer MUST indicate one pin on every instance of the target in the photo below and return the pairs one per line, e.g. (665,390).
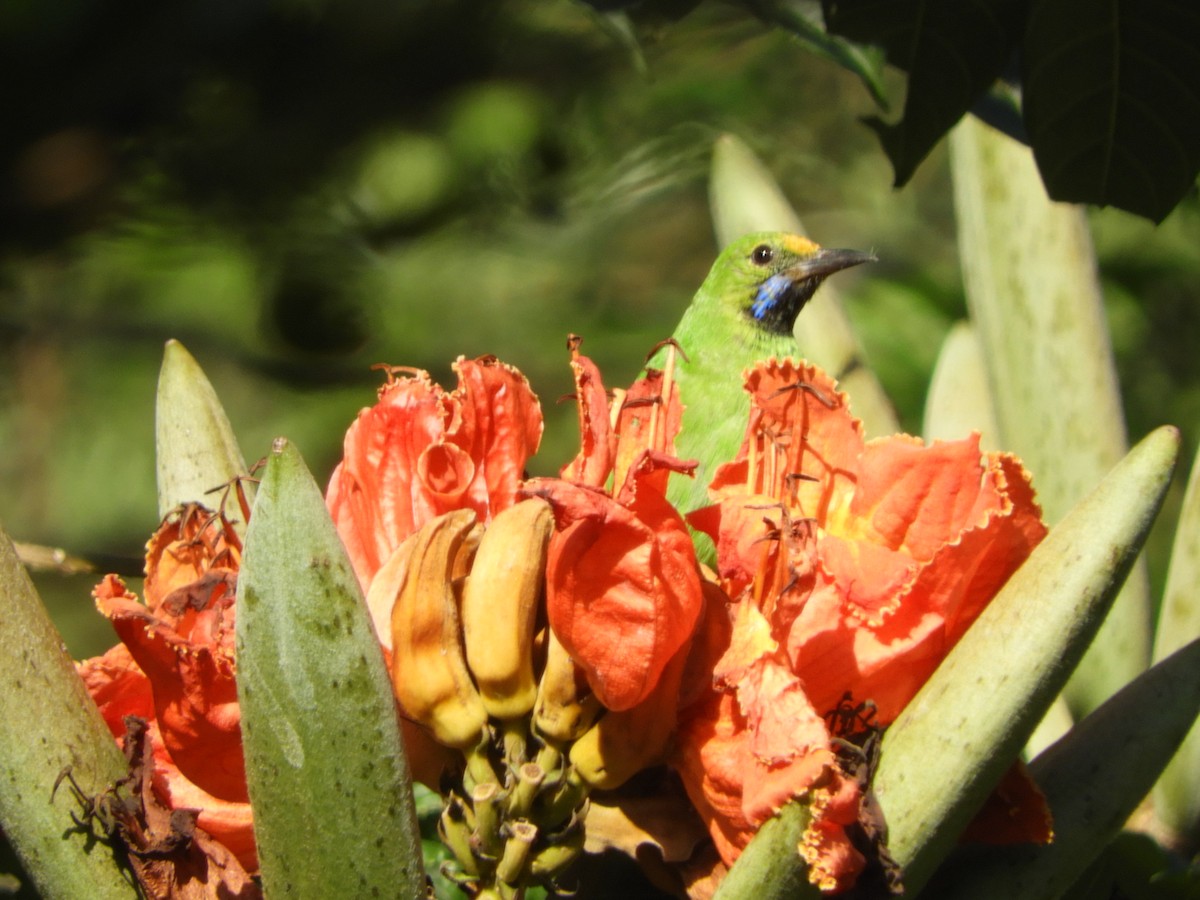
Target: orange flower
(420,452)
(175,668)
(623,587)
(853,568)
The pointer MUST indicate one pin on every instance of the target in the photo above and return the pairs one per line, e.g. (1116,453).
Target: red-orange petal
(371,492)
(501,428)
(597,443)
(712,757)
(878,621)
(834,864)
(195,693)
(914,498)
(445,473)
(1016,812)
(647,420)
(420,452)
(623,588)
(733,788)
(800,425)
(118,686)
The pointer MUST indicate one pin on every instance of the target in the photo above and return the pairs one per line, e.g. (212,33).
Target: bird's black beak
(826,262)
(779,298)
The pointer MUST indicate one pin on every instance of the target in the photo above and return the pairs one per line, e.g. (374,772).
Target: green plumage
(744,312)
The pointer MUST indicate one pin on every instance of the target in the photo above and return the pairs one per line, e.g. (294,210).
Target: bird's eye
(761,255)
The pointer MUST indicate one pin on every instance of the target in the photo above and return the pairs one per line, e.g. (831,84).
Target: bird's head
(771,275)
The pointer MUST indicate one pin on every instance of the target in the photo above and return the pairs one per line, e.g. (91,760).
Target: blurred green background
(297,190)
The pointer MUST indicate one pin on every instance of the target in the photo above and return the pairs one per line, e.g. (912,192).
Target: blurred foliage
(297,190)
(1106,95)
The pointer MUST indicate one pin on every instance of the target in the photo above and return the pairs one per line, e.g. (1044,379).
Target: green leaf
(959,400)
(944,754)
(1034,297)
(325,764)
(1112,96)
(194,442)
(1177,795)
(952,50)
(744,197)
(49,723)
(1094,778)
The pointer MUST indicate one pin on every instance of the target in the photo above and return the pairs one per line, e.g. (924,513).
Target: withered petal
(597,443)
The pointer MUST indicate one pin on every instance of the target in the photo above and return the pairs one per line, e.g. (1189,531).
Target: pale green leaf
(1177,796)
(195,446)
(48,724)
(325,763)
(770,867)
(1034,297)
(959,400)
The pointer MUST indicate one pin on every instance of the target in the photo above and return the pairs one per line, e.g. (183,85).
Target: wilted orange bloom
(853,567)
(623,588)
(175,669)
(420,452)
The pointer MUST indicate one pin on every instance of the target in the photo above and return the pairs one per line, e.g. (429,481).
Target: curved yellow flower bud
(563,710)
(429,672)
(623,742)
(500,601)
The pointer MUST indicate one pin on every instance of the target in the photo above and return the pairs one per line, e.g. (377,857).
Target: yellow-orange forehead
(801,246)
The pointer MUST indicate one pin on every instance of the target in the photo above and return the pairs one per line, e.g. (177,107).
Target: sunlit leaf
(770,868)
(197,452)
(325,763)
(1029,268)
(959,400)
(49,725)
(1177,795)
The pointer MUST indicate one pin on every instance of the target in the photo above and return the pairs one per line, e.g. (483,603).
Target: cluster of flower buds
(475,663)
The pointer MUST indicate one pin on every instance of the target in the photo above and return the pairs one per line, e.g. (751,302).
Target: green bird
(744,312)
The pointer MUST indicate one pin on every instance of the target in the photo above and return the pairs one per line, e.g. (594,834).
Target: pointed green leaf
(48,722)
(1035,301)
(948,749)
(959,399)
(745,198)
(194,443)
(1094,778)
(325,763)
(1177,795)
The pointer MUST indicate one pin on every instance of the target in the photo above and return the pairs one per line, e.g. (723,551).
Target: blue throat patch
(768,296)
